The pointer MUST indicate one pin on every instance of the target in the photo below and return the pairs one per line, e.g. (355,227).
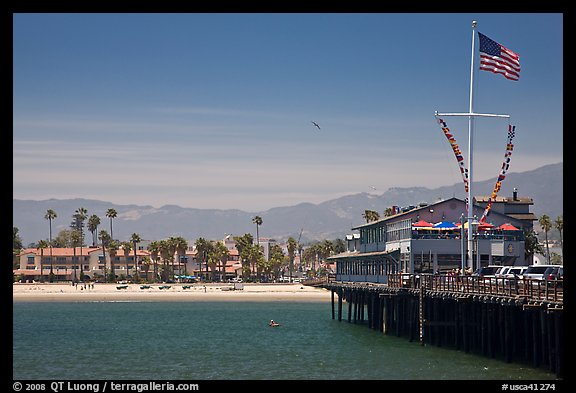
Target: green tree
(244,245)
(145,263)
(51,215)
(166,255)
(105,240)
(559,225)
(202,250)
(63,239)
(531,245)
(113,247)
(389,212)
(180,245)
(92,226)
(111,214)
(258,221)
(126,248)
(75,240)
(79,216)
(546,225)
(256,260)
(276,261)
(338,246)
(42,245)
(154,248)
(135,240)
(16,247)
(292,247)
(370,215)
(220,254)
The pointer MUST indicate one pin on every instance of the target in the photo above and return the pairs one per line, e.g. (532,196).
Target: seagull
(372,187)
(316,124)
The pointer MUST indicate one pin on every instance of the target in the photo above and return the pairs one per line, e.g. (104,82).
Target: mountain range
(305,221)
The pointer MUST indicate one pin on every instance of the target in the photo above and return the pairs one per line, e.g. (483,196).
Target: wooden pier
(514,320)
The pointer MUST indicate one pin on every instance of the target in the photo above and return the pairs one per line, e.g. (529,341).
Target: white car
(536,272)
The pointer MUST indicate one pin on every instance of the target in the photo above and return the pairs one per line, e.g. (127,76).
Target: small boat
(273,324)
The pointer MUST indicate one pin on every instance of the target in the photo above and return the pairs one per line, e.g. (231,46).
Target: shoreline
(65,292)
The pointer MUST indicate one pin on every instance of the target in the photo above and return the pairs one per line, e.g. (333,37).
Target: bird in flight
(316,124)
(372,187)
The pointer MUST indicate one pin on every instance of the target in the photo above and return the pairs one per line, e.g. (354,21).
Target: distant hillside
(327,220)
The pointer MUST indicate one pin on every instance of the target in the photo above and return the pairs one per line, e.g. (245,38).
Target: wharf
(520,321)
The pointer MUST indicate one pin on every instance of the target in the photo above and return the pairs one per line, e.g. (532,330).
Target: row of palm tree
(546,223)
(212,255)
(76,239)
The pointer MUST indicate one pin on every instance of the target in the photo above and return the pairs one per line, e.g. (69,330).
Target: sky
(215,111)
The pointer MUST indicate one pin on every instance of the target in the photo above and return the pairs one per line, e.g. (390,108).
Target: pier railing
(534,289)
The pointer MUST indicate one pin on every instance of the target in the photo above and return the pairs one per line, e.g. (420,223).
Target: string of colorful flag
(464,170)
(457,152)
(504,169)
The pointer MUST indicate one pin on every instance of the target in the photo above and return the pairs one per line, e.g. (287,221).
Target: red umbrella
(422,224)
(508,227)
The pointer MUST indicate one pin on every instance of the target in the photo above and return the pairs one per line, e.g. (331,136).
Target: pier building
(409,242)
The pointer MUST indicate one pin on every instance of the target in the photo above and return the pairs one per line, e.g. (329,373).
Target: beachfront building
(75,264)
(266,244)
(409,242)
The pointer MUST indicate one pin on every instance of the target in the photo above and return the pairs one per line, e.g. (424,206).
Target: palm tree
(80,215)
(50,215)
(92,226)
(559,224)
(258,221)
(111,213)
(181,245)
(42,244)
(244,244)
(154,248)
(370,215)
(202,247)
(164,250)
(145,263)
(135,240)
(105,239)
(75,240)
(113,247)
(546,225)
(389,212)
(171,252)
(292,246)
(220,254)
(126,247)
(16,247)
(531,245)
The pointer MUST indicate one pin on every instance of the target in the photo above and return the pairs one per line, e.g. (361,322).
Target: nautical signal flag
(498,59)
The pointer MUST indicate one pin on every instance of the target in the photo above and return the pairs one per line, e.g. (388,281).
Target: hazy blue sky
(215,110)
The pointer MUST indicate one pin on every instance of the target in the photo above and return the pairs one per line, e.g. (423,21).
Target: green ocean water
(227,341)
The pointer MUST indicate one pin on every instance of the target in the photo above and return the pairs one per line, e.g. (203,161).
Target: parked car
(486,271)
(536,272)
(502,271)
(554,273)
(505,273)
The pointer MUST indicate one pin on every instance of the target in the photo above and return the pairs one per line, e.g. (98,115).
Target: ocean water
(227,341)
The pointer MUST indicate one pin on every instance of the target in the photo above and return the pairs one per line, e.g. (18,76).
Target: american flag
(498,59)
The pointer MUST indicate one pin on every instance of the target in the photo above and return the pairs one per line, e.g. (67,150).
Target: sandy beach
(176,292)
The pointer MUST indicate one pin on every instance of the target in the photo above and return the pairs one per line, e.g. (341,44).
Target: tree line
(167,256)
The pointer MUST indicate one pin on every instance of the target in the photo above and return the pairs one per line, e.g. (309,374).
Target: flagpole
(470,154)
